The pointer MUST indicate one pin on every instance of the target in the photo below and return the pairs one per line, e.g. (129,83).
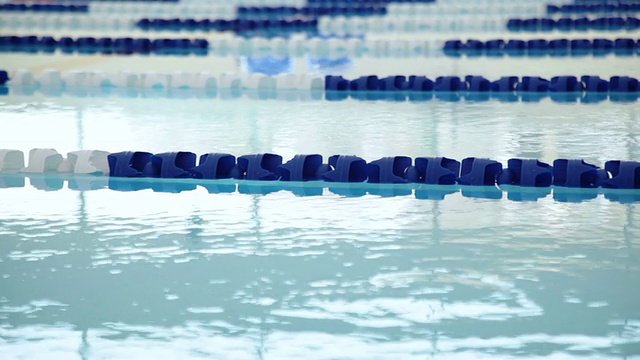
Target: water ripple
(107,274)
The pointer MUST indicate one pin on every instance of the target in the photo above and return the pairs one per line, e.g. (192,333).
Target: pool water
(209,274)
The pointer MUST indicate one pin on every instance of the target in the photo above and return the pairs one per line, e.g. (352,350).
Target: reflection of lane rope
(53,182)
(318,95)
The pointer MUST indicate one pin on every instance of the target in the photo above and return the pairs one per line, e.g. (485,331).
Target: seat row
(470,171)
(615,23)
(620,8)
(622,84)
(557,47)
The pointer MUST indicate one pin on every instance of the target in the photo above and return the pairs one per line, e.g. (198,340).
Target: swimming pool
(111,274)
(236,269)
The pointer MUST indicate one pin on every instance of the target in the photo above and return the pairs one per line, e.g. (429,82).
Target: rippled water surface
(108,274)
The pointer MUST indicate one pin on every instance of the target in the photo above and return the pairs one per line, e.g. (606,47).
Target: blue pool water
(106,274)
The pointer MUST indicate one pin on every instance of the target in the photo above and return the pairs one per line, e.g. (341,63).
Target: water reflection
(246,275)
(319,94)
(53,182)
(166,269)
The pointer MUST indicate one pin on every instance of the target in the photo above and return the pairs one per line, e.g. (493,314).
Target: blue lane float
(542,47)
(526,172)
(236,25)
(472,171)
(388,170)
(449,84)
(173,165)
(434,171)
(623,84)
(128,163)
(479,172)
(624,174)
(215,166)
(4,77)
(258,167)
(594,8)
(577,174)
(346,168)
(46,8)
(614,23)
(106,45)
(303,167)
(534,84)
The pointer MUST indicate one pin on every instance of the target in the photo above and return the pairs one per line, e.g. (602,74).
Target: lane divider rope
(612,23)
(540,47)
(327,25)
(594,8)
(337,83)
(471,171)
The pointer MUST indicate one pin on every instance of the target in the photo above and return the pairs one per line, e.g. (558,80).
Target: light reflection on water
(107,274)
(544,130)
(104,274)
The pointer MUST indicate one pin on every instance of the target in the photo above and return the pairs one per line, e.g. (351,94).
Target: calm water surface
(108,274)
